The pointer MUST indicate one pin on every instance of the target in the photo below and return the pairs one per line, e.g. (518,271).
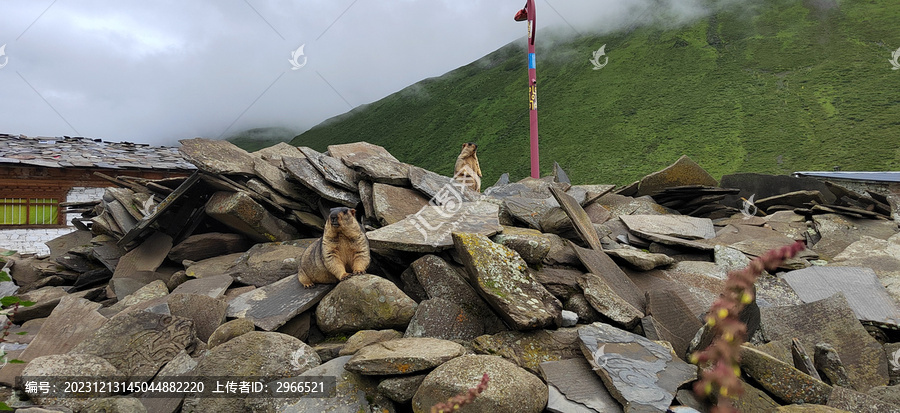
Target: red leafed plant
(462,399)
(722,378)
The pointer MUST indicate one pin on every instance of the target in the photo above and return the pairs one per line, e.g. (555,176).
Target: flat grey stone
(393,204)
(579,387)
(212,286)
(403,356)
(439,318)
(832,321)
(372,161)
(528,349)
(332,169)
(641,374)
(781,379)
(401,389)
(240,212)
(851,401)
(217,156)
(683,172)
(679,226)
(429,230)
(869,299)
(303,171)
(433,184)
(212,244)
(271,306)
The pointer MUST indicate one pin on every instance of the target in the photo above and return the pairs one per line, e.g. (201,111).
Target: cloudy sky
(158,71)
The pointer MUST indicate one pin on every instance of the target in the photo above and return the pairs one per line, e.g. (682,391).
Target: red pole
(532,91)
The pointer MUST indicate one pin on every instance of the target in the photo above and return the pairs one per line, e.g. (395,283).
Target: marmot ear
(352,211)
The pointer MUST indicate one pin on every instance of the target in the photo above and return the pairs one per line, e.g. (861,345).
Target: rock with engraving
(679,226)
(254,354)
(498,274)
(641,374)
(575,388)
(139,343)
(429,230)
(439,318)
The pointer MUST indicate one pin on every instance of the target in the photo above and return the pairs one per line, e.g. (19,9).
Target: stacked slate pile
(571,298)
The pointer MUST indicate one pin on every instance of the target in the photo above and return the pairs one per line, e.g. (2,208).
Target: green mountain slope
(776,88)
(252,140)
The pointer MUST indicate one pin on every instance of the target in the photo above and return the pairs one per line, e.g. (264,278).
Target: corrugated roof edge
(887,176)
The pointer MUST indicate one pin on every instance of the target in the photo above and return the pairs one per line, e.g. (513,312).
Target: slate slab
(599,264)
(832,321)
(206,312)
(529,349)
(578,388)
(212,286)
(139,343)
(372,161)
(432,184)
(499,276)
(393,204)
(580,219)
(303,171)
(429,230)
(147,256)
(332,169)
(838,232)
(271,306)
(641,374)
(439,318)
(211,244)
(217,156)
(869,299)
(679,226)
(603,298)
(72,321)
(403,356)
(781,379)
(240,212)
(351,395)
(851,401)
(667,307)
(683,172)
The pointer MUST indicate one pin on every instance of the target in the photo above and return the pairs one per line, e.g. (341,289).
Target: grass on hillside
(777,88)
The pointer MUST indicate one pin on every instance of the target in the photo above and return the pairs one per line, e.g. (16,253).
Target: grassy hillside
(255,139)
(781,87)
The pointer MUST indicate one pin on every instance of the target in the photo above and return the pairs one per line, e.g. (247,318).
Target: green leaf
(4,276)
(5,407)
(8,253)
(27,303)
(9,300)
(21,333)
(17,361)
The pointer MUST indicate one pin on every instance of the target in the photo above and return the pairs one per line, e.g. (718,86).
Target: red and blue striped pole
(528,14)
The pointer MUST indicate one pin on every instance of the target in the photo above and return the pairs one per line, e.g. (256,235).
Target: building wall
(32,240)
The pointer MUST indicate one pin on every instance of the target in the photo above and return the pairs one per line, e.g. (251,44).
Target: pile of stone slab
(571,298)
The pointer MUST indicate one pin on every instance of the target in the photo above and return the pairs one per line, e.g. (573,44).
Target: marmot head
(468,149)
(342,216)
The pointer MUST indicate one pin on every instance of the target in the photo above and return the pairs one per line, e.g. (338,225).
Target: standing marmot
(467,169)
(342,251)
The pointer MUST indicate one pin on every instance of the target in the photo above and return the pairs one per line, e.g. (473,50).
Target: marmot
(342,251)
(467,165)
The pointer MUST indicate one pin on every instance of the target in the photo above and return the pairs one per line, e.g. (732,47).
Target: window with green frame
(29,211)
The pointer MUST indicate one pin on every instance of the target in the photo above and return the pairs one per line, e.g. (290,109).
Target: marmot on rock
(467,169)
(342,251)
